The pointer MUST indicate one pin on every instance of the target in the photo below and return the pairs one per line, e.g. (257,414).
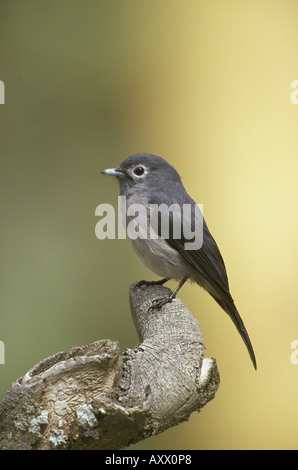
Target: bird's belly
(165,261)
(160,257)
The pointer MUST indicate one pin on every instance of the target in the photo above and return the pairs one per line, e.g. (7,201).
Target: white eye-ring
(139,170)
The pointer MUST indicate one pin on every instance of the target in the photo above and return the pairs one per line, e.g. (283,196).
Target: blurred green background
(204,84)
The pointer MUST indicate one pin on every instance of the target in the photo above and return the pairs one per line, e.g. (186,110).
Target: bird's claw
(160,282)
(158,303)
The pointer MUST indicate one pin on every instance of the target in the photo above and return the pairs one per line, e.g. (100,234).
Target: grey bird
(150,180)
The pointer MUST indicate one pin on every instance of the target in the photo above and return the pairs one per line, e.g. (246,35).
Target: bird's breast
(153,250)
(160,257)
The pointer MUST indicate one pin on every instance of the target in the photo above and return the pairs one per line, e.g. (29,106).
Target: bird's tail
(233,313)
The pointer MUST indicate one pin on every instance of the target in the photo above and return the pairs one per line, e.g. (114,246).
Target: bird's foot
(160,282)
(158,303)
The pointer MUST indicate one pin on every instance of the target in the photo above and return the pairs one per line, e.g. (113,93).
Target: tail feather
(233,313)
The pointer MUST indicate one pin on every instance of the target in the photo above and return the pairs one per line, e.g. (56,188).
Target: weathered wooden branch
(91,397)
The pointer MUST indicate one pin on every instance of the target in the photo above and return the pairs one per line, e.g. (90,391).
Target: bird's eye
(139,170)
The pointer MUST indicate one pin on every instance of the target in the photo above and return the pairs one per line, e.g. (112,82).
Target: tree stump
(92,397)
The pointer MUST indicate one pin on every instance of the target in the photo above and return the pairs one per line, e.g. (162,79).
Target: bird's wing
(207,259)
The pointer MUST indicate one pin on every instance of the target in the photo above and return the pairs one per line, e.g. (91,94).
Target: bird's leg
(158,303)
(160,282)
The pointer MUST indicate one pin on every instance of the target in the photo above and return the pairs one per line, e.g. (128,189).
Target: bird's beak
(112,171)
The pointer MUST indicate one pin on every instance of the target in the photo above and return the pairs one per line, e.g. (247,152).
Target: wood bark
(92,397)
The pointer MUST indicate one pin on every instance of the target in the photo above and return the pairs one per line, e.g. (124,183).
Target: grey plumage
(150,180)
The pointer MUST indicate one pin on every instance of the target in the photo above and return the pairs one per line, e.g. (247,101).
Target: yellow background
(206,85)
